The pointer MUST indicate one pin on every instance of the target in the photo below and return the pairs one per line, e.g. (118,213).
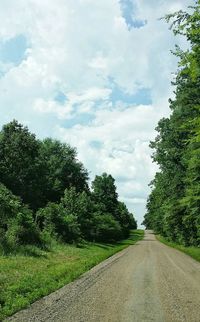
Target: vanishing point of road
(147,282)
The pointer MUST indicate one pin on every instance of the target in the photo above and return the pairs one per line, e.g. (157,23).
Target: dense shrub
(59,223)
(81,206)
(16,221)
(105,228)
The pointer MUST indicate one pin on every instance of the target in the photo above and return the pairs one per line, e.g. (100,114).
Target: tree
(104,194)
(58,223)
(20,168)
(105,197)
(174,204)
(38,171)
(81,206)
(47,176)
(125,218)
(63,170)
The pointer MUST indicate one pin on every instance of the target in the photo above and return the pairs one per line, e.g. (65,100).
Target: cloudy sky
(95,74)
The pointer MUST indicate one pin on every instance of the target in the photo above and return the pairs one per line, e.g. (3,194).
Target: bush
(22,230)
(81,206)
(105,228)
(16,221)
(54,220)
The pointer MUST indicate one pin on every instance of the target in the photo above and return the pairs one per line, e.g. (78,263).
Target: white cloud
(80,48)
(91,94)
(85,101)
(124,136)
(99,62)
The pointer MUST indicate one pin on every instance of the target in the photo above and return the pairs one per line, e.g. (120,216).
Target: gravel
(145,282)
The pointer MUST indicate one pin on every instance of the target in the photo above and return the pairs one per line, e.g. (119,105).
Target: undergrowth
(32,273)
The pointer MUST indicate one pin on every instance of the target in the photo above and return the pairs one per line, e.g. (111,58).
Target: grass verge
(192,251)
(26,278)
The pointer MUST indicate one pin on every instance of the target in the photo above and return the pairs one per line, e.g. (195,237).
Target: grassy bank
(26,278)
(191,251)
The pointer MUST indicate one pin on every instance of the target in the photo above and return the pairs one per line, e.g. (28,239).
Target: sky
(95,74)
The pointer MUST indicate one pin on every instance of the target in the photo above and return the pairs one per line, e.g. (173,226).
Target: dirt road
(146,282)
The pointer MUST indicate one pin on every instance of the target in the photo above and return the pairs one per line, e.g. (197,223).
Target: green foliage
(58,222)
(16,222)
(105,228)
(173,206)
(104,193)
(47,176)
(81,206)
(125,218)
(20,168)
(79,216)
(37,171)
(63,170)
(105,197)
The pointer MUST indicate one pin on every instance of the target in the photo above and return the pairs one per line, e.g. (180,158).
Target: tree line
(173,207)
(45,195)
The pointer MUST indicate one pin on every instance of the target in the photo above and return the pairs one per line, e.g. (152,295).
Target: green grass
(192,251)
(26,278)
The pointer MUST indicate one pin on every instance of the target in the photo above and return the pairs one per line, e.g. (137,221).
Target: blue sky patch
(60,98)
(13,50)
(81,119)
(128,9)
(2,73)
(143,96)
(96,144)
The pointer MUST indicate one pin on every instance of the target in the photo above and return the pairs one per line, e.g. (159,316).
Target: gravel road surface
(145,282)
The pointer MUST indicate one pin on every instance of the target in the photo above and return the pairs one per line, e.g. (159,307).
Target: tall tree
(174,204)
(104,193)
(20,168)
(63,170)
